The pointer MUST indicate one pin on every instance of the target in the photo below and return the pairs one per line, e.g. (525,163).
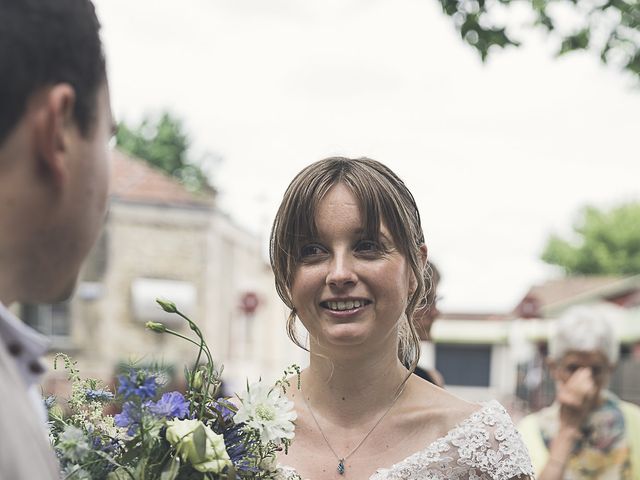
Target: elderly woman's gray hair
(586,328)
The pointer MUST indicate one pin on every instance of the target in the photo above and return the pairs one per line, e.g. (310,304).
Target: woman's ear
(552,366)
(423,254)
(413,283)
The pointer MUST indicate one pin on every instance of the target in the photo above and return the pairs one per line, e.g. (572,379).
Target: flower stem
(202,348)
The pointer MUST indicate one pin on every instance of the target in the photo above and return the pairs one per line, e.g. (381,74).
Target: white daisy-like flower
(73,443)
(268,411)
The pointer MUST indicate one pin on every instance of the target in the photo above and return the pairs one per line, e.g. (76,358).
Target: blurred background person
(55,126)
(588,432)
(424,319)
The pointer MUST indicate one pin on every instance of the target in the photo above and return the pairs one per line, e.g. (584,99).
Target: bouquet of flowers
(170,435)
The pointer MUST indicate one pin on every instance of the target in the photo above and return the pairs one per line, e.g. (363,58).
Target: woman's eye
(571,368)
(311,250)
(367,246)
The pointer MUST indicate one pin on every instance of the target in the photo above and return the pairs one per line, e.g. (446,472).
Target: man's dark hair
(48,42)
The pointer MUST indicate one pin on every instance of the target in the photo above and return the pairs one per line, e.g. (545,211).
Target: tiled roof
(497,316)
(562,289)
(134,180)
(554,296)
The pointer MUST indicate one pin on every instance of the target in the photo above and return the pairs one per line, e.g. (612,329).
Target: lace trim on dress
(484,446)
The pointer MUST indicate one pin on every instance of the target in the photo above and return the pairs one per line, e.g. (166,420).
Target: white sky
(498,155)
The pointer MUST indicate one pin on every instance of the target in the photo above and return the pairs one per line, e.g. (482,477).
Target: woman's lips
(345,308)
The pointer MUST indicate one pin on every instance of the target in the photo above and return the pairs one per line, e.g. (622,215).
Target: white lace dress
(484,446)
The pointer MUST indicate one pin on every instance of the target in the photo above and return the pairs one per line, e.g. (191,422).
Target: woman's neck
(350,389)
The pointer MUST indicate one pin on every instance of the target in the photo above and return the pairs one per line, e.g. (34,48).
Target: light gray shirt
(25,452)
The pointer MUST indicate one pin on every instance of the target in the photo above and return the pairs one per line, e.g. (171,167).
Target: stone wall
(197,245)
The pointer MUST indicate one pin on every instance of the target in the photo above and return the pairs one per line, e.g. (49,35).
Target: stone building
(161,240)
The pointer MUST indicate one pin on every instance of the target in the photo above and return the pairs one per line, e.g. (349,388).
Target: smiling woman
(349,287)
(368,197)
(349,257)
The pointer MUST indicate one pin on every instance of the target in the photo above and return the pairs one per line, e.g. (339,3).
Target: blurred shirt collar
(24,345)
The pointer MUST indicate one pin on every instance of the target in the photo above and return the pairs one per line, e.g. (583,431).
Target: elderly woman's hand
(577,397)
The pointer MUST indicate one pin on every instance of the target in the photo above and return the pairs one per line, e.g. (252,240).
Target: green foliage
(609,27)
(164,144)
(607,243)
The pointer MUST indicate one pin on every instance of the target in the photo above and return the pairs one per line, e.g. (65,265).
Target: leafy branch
(611,28)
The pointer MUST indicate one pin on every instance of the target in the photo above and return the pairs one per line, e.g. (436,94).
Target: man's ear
(54,126)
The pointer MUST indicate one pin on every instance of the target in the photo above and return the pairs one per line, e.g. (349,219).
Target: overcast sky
(498,155)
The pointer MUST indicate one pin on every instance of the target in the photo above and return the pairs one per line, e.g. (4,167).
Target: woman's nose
(341,271)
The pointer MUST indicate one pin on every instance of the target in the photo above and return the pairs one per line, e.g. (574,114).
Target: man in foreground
(55,125)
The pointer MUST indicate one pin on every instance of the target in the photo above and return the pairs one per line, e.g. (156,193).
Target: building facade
(484,356)
(160,240)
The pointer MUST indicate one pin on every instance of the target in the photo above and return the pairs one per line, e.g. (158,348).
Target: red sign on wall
(249,302)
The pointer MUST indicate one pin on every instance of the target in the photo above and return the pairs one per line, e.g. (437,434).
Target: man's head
(55,124)
(45,43)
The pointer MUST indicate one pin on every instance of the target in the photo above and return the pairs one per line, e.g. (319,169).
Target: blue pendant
(341,466)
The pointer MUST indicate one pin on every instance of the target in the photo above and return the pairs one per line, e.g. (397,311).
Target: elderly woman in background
(587,433)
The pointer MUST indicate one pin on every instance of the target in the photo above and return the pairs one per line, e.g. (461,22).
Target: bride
(348,254)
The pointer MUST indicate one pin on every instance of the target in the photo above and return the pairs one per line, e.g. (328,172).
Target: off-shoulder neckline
(407,460)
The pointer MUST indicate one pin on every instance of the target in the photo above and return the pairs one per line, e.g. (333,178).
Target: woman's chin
(344,334)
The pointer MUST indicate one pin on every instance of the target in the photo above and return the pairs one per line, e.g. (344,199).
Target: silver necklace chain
(341,466)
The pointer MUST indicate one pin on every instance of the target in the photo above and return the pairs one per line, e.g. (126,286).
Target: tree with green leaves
(605,242)
(163,142)
(609,27)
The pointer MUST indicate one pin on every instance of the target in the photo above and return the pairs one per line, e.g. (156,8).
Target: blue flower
(99,395)
(104,445)
(138,383)
(130,417)
(225,409)
(239,449)
(49,401)
(171,405)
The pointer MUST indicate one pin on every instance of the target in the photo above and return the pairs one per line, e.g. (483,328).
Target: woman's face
(348,289)
(595,361)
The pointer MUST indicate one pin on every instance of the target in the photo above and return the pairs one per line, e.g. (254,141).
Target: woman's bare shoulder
(429,404)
